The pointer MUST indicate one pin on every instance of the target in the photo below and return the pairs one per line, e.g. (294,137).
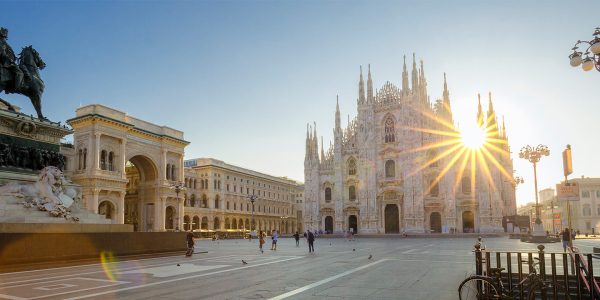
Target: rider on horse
(8,62)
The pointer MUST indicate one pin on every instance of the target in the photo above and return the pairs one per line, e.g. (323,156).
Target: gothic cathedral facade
(400,167)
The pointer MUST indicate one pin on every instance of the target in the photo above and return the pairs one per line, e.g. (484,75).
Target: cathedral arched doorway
(392,219)
(468,221)
(142,174)
(170,217)
(353,223)
(329,224)
(107,209)
(435,222)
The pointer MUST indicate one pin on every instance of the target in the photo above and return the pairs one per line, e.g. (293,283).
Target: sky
(242,79)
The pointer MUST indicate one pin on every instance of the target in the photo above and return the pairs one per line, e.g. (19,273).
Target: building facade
(585,213)
(126,167)
(388,170)
(217,199)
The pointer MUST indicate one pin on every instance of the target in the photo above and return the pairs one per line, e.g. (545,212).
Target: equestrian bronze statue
(21,75)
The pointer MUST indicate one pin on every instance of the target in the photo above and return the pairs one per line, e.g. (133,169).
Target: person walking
(311,240)
(274,240)
(566,236)
(261,240)
(189,238)
(297,238)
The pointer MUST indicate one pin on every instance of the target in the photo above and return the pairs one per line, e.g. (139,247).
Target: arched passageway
(329,224)
(435,222)
(392,219)
(468,221)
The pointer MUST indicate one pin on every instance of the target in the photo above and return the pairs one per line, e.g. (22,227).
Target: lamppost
(178,187)
(590,60)
(533,155)
(252,198)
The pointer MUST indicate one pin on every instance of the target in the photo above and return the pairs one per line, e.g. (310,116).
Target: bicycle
(482,287)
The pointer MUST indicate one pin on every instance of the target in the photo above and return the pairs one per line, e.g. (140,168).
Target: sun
(473,137)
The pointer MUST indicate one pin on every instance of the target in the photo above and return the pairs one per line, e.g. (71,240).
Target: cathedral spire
(404,77)
(503,129)
(446,100)
(322,151)
(491,117)
(369,86)
(307,141)
(479,111)
(415,78)
(338,125)
(315,143)
(361,88)
(446,92)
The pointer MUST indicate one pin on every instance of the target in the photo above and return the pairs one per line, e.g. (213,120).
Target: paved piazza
(401,268)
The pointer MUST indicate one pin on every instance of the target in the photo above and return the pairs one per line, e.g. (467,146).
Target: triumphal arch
(127,167)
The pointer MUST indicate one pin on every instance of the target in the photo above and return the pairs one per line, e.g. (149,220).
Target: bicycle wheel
(478,288)
(552,292)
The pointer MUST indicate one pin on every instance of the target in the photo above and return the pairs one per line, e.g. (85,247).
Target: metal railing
(553,267)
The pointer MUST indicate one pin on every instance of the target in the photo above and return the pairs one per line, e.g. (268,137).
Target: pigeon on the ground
(244,262)
(178,265)
(353,249)
(370,256)
(329,244)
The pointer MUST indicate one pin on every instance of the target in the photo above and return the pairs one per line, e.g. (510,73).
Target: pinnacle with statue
(20,75)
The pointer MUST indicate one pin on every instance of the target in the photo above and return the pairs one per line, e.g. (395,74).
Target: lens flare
(109,264)
(470,151)
(473,137)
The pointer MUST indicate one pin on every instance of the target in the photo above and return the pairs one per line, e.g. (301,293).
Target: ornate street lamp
(178,187)
(252,198)
(533,155)
(590,60)
(518,180)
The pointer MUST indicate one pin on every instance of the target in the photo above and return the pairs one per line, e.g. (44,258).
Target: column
(121,209)
(180,214)
(123,158)
(97,152)
(94,204)
(163,165)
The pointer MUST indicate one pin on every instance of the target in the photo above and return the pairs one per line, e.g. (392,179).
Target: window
(352,193)
(111,158)
(80,158)
(389,133)
(103,160)
(227,205)
(598,210)
(328,194)
(84,158)
(435,190)
(466,185)
(214,184)
(217,201)
(585,194)
(431,156)
(235,189)
(587,210)
(588,225)
(228,187)
(351,166)
(390,169)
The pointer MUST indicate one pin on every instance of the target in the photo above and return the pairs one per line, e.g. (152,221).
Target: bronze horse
(30,63)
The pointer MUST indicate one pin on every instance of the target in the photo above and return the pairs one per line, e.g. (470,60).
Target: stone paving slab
(399,269)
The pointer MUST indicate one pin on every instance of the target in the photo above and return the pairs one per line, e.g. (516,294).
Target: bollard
(542,267)
(478,262)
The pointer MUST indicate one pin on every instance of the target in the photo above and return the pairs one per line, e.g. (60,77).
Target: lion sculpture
(49,193)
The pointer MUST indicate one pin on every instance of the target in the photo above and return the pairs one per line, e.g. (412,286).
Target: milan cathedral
(393,169)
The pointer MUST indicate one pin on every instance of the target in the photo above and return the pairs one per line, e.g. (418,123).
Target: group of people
(262,235)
